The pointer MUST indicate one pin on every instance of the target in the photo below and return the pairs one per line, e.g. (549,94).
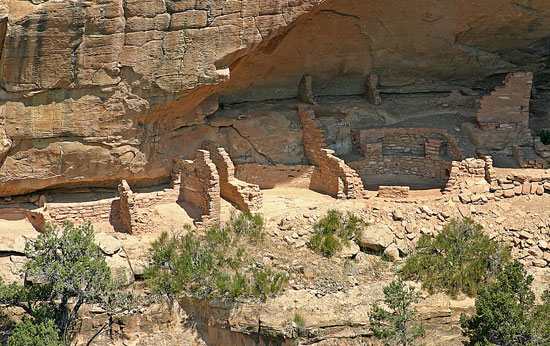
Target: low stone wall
(435,169)
(475,181)
(462,172)
(200,186)
(334,176)
(94,211)
(393,191)
(245,195)
(271,176)
(110,209)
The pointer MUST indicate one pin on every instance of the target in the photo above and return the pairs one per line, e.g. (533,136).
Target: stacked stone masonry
(393,191)
(475,181)
(244,195)
(503,116)
(437,170)
(542,149)
(418,142)
(373,94)
(200,186)
(106,209)
(334,177)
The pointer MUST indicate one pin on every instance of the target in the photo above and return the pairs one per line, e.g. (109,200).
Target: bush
(398,325)
(245,223)
(544,136)
(30,332)
(461,258)
(267,282)
(505,313)
(333,231)
(211,265)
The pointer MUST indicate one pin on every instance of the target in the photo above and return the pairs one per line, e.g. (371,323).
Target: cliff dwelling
(151,116)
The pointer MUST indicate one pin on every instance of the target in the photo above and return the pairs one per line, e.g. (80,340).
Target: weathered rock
(376,237)
(107,243)
(115,96)
(392,252)
(350,250)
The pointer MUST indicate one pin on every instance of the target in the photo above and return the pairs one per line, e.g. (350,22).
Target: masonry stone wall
(393,191)
(503,116)
(435,169)
(245,195)
(417,142)
(200,185)
(271,176)
(334,177)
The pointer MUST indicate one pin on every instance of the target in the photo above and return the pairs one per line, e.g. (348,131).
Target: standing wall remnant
(244,195)
(305,90)
(373,94)
(126,206)
(503,116)
(334,177)
(200,185)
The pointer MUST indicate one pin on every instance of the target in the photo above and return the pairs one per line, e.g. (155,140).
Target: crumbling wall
(475,181)
(334,177)
(245,195)
(373,94)
(93,211)
(503,116)
(200,185)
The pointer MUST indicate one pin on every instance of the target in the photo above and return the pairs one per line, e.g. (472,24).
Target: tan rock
(392,252)
(376,237)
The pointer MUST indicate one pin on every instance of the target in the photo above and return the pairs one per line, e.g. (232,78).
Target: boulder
(392,252)
(350,250)
(376,237)
(107,243)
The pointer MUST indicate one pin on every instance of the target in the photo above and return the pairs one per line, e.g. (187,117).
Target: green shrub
(267,282)
(333,231)
(245,223)
(30,332)
(505,313)
(544,136)
(461,258)
(210,265)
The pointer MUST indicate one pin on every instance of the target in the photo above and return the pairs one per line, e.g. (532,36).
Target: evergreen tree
(397,326)
(506,314)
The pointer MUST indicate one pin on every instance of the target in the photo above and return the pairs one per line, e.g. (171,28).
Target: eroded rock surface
(93,92)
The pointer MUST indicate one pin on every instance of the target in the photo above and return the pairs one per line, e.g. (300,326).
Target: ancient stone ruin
(151,116)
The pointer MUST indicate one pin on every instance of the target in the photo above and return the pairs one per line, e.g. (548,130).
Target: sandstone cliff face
(96,91)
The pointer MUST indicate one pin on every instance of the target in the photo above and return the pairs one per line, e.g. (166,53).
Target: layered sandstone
(93,92)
